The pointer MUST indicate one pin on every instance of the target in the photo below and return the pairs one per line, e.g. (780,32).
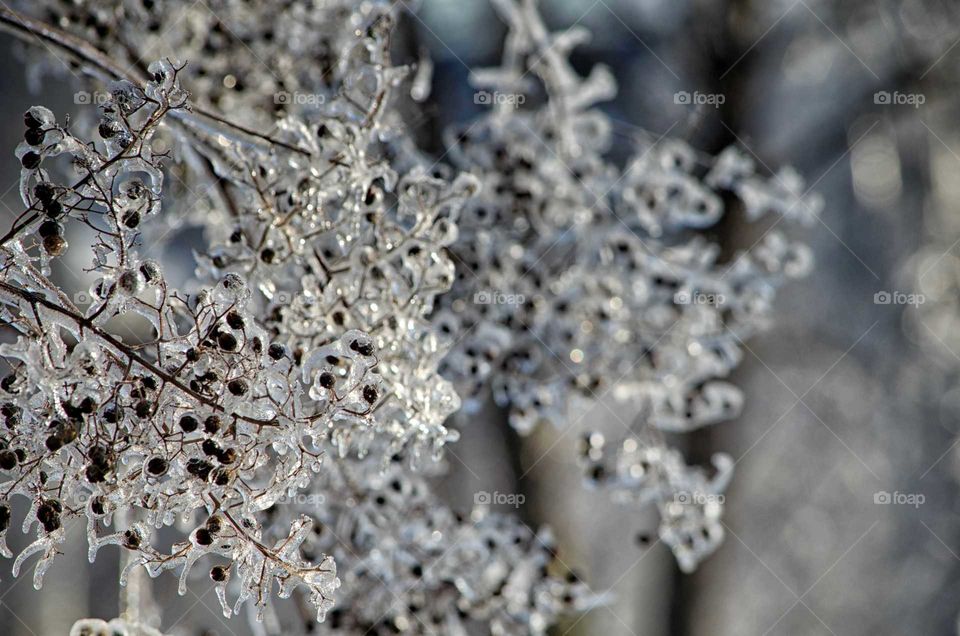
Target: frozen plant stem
(133,595)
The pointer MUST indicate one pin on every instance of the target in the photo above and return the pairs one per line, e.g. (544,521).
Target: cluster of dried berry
(579,282)
(340,301)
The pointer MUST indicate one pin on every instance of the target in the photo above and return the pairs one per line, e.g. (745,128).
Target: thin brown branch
(36,299)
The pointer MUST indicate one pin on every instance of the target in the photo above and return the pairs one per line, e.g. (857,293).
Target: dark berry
(143,409)
(52,524)
(212,424)
(227,456)
(227,341)
(188,424)
(34,136)
(73,411)
(203,536)
(218,573)
(131,219)
(131,539)
(220,476)
(54,245)
(46,512)
(363,348)
(53,209)
(151,272)
(235,320)
(99,455)
(31,121)
(8,460)
(597,473)
(157,466)
(237,387)
(8,382)
(327,380)
(192,355)
(209,447)
(64,432)
(4,517)
(267,255)
(96,473)
(106,130)
(276,351)
(199,468)
(45,191)
(370,393)
(49,228)
(213,524)
(30,160)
